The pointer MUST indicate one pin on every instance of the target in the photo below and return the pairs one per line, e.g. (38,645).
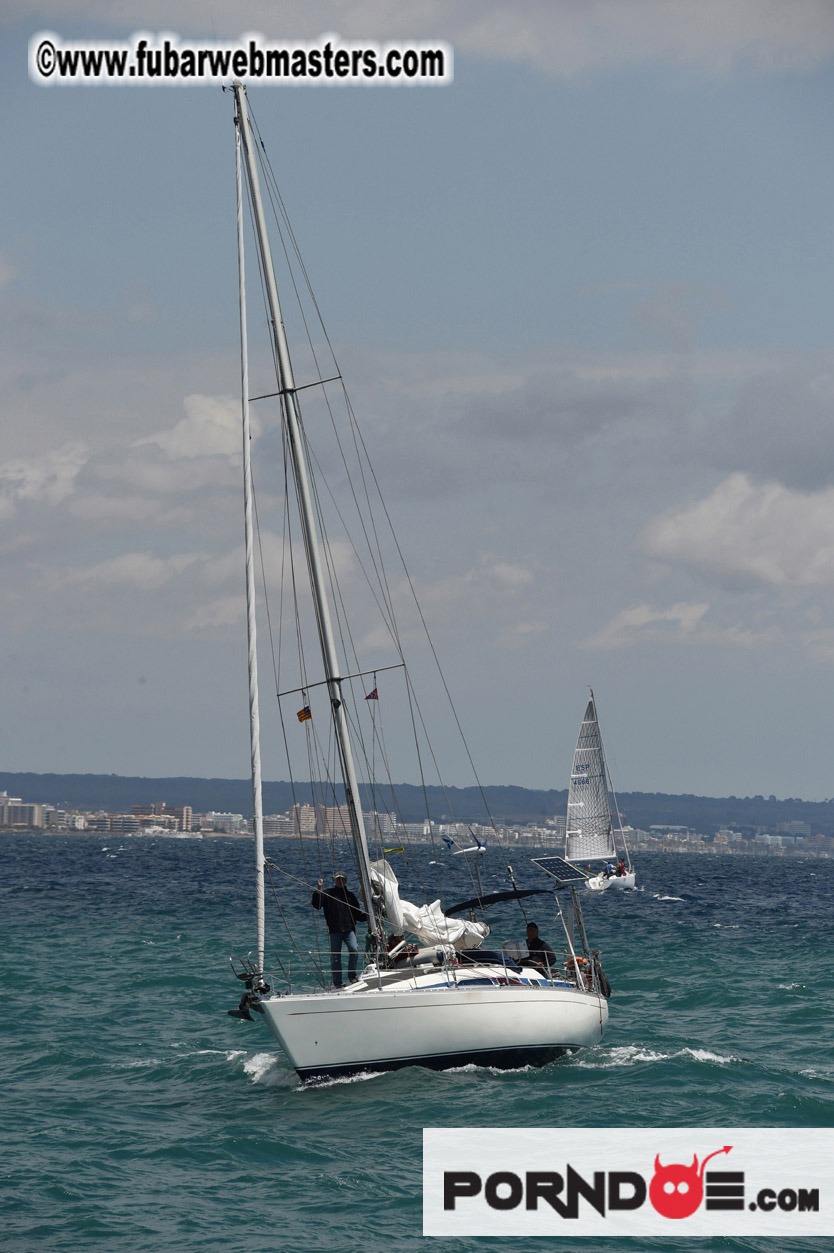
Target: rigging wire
(318,758)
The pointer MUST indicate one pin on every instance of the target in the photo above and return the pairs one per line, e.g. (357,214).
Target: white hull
(602,882)
(430,1022)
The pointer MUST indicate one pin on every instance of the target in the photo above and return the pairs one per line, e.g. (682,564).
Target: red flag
(374,695)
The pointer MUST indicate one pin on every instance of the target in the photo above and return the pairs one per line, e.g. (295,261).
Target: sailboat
(590,831)
(428,993)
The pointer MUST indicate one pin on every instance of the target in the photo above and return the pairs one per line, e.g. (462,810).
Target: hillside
(117,793)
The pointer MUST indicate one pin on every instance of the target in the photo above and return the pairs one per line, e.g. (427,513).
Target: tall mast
(309,526)
(251,622)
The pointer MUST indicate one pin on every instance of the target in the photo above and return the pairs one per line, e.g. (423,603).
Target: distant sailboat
(590,833)
(476,850)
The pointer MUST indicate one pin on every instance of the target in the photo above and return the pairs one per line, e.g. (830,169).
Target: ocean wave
(656,896)
(259,1066)
(630,1054)
(340,1080)
(470,1068)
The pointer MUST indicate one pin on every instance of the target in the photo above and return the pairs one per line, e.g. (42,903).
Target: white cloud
(630,625)
(493,589)
(143,570)
(819,644)
(777,423)
(746,534)
(150,471)
(681,623)
(92,507)
(224,611)
(50,478)
(211,429)
(567,38)
(519,634)
(558,37)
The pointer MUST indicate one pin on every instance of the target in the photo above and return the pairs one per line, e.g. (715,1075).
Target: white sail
(589,831)
(427,922)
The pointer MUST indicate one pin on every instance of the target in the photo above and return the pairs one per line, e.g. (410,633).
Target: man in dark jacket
(341,914)
(541,954)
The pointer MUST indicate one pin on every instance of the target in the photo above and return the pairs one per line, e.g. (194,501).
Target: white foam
(258,1066)
(470,1068)
(630,1054)
(338,1080)
(817,1074)
(666,898)
(704,1055)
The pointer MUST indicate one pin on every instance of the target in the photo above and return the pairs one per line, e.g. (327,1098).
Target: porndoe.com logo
(628,1182)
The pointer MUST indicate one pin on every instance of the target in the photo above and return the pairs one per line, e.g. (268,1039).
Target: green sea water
(137,1116)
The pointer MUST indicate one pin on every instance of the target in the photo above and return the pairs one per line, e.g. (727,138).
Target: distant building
(278,824)
(333,820)
(231,823)
(184,816)
(798,829)
(124,822)
(6,802)
(15,813)
(381,824)
(304,818)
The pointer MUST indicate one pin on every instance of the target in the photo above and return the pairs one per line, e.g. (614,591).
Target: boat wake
(471,1069)
(631,1054)
(262,1068)
(340,1080)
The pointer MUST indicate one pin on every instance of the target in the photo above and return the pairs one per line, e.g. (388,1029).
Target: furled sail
(427,922)
(589,831)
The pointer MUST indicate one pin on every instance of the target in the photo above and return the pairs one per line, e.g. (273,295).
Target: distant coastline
(506,803)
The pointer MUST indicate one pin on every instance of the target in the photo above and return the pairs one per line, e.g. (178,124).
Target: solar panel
(560,870)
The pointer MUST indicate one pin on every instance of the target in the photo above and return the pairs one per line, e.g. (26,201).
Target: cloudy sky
(583,298)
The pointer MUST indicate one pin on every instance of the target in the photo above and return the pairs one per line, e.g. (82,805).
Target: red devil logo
(676,1191)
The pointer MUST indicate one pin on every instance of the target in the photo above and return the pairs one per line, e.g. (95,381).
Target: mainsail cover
(589,831)
(427,922)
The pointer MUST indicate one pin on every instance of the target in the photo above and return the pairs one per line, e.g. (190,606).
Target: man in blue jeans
(341,914)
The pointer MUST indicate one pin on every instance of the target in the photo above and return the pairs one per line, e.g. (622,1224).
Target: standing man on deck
(341,914)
